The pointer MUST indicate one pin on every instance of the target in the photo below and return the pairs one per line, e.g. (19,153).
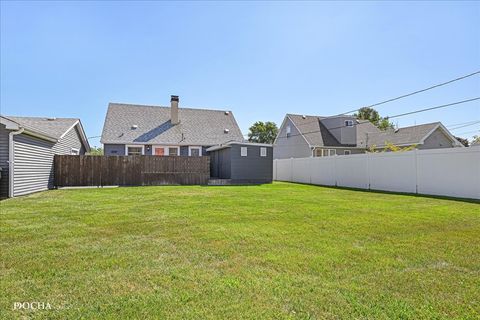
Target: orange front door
(159,152)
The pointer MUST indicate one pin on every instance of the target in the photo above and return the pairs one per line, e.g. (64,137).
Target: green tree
(372,115)
(263,132)
(96,151)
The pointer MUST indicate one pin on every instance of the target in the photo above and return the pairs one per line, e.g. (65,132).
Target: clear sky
(260,60)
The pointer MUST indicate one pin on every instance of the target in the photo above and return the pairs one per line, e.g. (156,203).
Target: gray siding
(220,164)
(4,161)
(343,134)
(114,149)
(184,151)
(70,140)
(119,150)
(33,164)
(33,160)
(437,140)
(294,146)
(253,167)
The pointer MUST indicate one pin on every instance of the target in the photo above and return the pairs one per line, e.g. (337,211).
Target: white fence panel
(283,170)
(301,170)
(450,172)
(393,171)
(323,171)
(352,171)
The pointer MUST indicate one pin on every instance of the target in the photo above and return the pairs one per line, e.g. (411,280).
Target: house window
(346,152)
(243,151)
(173,151)
(289,129)
(194,151)
(318,152)
(74,151)
(159,151)
(348,123)
(329,152)
(134,151)
(263,152)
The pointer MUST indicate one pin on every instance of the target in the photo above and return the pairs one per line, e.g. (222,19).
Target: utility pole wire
(391,117)
(405,95)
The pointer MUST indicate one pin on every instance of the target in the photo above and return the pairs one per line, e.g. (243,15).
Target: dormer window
(348,123)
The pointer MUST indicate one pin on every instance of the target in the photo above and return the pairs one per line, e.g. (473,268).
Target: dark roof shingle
(196,127)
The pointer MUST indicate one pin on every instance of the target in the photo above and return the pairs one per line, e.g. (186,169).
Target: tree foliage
(96,151)
(263,132)
(372,115)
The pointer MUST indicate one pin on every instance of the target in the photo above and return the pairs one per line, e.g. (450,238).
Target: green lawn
(281,251)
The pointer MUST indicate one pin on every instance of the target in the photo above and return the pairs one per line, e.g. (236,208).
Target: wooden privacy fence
(130,170)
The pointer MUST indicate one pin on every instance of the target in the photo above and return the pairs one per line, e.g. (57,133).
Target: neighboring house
(242,162)
(27,147)
(303,136)
(166,131)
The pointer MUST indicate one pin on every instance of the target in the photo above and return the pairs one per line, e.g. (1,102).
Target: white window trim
(75,151)
(190,150)
(167,151)
(261,151)
(347,122)
(134,146)
(243,149)
(347,154)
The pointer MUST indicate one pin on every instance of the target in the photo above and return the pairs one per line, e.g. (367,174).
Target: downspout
(11,160)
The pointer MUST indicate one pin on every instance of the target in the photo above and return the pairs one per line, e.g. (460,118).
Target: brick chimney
(174,110)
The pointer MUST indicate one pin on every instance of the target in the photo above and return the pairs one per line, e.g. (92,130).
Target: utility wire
(391,117)
(404,95)
(465,125)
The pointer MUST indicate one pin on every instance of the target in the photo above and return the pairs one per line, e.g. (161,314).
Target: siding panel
(33,164)
(4,161)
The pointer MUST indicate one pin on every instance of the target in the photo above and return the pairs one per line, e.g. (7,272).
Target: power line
(404,95)
(468,132)
(459,124)
(391,117)
(465,125)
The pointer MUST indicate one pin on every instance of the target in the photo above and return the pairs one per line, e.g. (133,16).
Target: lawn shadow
(468,200)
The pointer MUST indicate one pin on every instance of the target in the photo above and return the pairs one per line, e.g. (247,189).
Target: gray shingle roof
(318,135)
(403,136)
(196,127)
(51,127)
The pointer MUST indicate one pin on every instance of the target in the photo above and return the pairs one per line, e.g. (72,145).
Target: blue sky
(260,60)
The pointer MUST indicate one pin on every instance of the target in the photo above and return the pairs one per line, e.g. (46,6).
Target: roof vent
(227,113)
(134,126)
(304,117)
(226,131)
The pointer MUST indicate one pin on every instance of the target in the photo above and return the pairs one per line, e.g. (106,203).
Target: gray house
(242,163)
(27,147)
(166,131)
(303,136)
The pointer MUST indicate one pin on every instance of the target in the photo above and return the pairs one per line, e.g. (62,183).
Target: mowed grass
(280,251)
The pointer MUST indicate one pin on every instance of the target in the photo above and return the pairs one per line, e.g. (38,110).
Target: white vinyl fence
(451,172)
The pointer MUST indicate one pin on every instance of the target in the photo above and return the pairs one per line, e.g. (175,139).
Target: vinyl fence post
(416,169)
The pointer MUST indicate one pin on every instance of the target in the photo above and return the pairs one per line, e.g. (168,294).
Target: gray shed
(242,162)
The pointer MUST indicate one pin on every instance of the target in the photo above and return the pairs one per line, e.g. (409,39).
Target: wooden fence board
(73,170)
